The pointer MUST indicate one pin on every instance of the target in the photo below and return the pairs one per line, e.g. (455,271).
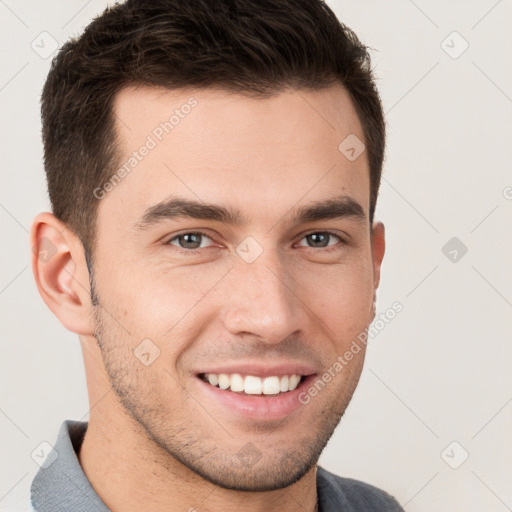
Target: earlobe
(60,272)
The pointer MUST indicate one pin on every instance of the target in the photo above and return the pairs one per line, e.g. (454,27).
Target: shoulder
(339,493)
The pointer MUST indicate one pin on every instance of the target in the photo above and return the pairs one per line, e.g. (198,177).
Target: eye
(191,240)
(321,239)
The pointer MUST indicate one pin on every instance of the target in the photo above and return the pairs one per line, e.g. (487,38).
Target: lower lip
(257,407)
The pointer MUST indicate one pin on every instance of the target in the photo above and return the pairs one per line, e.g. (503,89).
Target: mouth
(255,393)
(253,385)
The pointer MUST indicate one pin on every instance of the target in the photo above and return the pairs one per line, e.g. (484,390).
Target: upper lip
(261,369)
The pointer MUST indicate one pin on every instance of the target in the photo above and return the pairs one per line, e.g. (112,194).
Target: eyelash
(192,252)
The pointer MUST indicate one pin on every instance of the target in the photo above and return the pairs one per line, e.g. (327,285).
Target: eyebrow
(177,207)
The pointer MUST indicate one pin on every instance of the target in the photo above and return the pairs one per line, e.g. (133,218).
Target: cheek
(159,302)
(342,295)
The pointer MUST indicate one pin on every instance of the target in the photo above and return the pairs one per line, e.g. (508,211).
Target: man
(213,170)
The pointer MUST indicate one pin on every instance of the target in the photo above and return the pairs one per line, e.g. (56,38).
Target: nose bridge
(260,300)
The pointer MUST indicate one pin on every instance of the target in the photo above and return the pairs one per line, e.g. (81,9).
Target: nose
(261,301)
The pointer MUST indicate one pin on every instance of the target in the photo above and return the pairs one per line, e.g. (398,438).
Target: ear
(61,274)
(378,242)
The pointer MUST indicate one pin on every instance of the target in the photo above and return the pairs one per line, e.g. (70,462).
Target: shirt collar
(61,485)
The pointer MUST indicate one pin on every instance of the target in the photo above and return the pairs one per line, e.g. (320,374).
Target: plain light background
(437,381)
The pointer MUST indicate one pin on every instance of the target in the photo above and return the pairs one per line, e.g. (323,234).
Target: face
(234,264)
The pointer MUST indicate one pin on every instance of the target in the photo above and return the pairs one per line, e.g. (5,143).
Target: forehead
(257,154)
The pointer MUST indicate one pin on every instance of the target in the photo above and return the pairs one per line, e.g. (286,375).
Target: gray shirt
(61,485)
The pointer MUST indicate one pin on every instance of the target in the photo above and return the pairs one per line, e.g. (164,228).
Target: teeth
(253,385)
(224,381)
(237,382)
(294,382)
(271,385)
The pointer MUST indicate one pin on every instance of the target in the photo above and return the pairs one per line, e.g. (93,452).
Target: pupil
(319,239)
(192,240)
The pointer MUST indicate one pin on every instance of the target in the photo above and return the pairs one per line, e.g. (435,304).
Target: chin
(258,477)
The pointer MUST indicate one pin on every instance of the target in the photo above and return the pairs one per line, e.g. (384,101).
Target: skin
(155,441)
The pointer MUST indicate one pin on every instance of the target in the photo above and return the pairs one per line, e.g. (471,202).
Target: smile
(253,385)
(255,391)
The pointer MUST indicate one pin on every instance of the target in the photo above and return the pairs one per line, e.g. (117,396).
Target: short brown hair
(253,47)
